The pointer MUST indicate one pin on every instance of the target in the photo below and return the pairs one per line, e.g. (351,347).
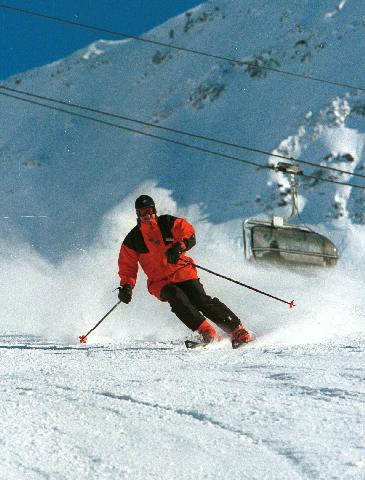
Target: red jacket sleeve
(128,266)
(184,233)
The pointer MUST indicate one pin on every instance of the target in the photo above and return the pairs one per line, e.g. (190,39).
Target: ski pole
(83,338)
(291,303)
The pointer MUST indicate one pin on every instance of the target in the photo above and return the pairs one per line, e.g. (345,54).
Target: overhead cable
(175,47)
(181,132)
(176,142)
(132,130)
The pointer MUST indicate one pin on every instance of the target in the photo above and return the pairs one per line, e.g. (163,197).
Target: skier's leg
(212,308)
(187,312)
(181,306)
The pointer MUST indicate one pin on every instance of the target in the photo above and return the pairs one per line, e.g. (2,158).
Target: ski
(236,344)
(190,344)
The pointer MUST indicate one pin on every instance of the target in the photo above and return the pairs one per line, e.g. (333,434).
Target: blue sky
(27,42)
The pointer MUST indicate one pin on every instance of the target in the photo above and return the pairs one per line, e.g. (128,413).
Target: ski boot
(240,336)
(208,332)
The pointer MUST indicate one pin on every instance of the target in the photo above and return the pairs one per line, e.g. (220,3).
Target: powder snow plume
(64,300)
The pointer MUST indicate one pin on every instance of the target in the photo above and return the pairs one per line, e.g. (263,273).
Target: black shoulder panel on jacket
(166,222)
(134,241)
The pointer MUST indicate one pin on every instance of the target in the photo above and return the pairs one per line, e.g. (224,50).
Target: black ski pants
(192,305)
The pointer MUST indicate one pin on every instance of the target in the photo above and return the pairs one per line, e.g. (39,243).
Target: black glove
(174,252)
(125,293)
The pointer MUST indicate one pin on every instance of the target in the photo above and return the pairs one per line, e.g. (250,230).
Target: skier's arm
(128,266)
(184,234)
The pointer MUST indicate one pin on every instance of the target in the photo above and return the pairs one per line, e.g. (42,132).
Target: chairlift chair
(277,240)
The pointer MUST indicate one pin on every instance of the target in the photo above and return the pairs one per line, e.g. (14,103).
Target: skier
(159,244)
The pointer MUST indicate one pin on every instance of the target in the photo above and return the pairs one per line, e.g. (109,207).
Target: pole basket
(83,338)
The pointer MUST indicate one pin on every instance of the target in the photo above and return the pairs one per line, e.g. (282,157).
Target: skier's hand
(174,252)
(125,293)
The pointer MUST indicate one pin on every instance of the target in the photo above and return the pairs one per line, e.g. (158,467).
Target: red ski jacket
(147,244)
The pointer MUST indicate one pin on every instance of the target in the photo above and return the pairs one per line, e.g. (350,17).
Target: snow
(147,410)
(133,402)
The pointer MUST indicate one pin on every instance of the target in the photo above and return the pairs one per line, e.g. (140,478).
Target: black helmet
(144,201)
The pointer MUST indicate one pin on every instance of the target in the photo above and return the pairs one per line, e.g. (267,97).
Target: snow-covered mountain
(290,405)
(52,161)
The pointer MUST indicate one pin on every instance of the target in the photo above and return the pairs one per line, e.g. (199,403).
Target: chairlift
(277,240)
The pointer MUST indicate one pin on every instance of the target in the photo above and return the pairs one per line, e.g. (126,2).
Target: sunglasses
(142,212)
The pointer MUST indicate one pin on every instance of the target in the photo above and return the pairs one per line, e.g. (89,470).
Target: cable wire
(183,49)
(181,132)
(176,142)
(132,130)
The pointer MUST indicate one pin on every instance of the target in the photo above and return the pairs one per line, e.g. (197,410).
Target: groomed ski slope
(152,410)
